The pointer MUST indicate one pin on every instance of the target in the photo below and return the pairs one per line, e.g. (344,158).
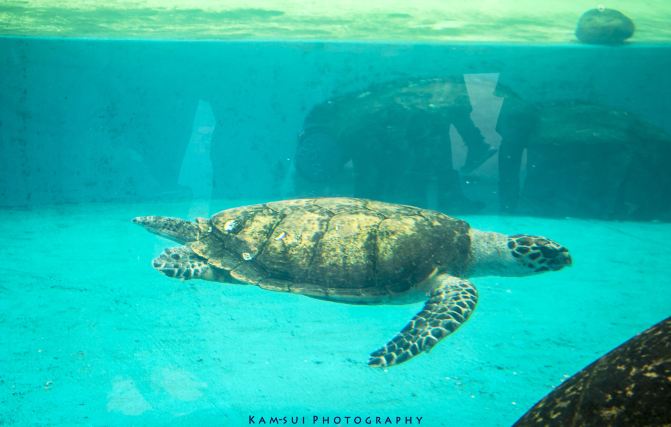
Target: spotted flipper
(182,263)
(450,303)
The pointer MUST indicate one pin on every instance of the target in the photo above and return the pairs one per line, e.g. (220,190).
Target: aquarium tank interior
(234,213)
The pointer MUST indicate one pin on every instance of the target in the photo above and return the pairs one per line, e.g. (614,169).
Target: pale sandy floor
(91,335)
(525,21)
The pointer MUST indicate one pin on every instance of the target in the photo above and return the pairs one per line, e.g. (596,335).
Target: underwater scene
(345,213)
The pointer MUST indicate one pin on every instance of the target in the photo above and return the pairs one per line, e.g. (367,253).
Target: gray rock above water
(604,26)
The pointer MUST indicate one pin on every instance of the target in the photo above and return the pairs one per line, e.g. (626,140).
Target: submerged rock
(586,160)
(391,141)
(630,386)
(604,26)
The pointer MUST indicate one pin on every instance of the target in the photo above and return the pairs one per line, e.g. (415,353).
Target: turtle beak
(564,253)
(557,258)
(561,259)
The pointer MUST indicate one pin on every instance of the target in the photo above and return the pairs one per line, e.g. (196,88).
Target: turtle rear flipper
(449,305)
(182,263)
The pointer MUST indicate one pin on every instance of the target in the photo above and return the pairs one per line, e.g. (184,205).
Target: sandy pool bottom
(91,335)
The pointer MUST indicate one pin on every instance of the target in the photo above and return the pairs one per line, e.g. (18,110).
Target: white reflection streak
(196,171)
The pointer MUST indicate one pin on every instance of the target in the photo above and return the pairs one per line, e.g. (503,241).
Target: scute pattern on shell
(629,386)
(335,246)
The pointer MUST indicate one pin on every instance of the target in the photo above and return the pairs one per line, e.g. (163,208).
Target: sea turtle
(355,251)
(630,386)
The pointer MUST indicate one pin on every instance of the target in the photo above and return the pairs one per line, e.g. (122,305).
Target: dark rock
(586,160)
(318,156)
(604,26)
(391,141)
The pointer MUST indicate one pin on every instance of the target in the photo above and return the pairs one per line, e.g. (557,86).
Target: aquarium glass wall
(334,213)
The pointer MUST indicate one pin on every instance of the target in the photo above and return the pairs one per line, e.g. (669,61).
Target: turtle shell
(339,247)
(629,386)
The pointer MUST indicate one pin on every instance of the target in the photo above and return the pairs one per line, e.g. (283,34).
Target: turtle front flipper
(182,263)
(177,229)
(450,303)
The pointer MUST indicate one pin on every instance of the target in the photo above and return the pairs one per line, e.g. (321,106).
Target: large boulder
(604,26)
(591,160)
(390,141)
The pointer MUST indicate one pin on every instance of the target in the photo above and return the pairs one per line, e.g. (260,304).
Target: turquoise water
(92,335)
(96,132)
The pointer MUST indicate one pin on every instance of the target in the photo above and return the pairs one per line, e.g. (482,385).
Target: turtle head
(517,255)
(538,254)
